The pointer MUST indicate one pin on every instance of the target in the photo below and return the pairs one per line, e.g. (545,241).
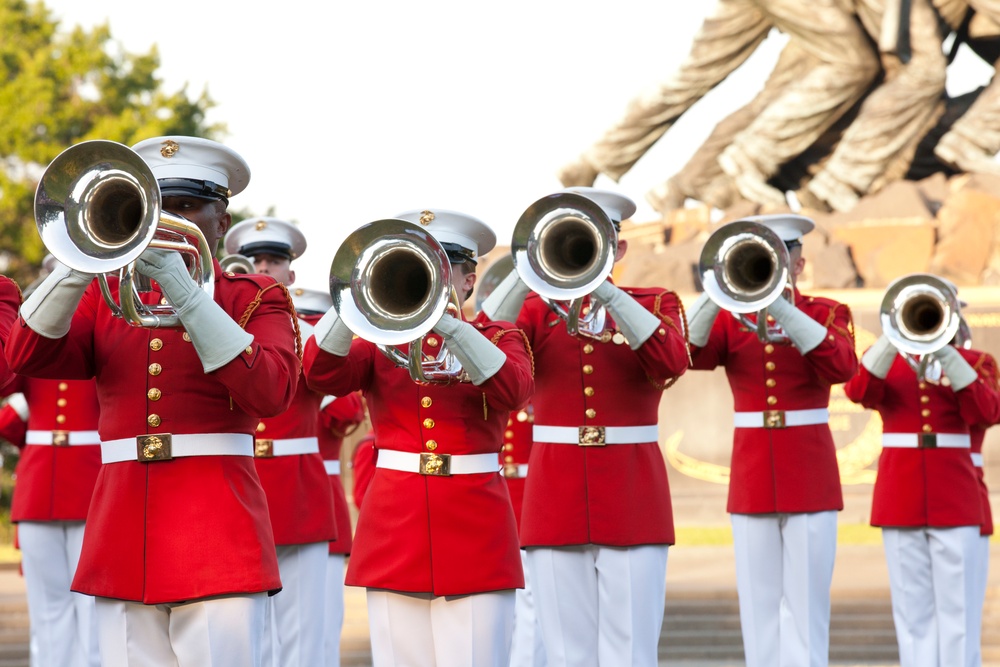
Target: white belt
(428,463)
(265,449)
(977,459)
(926,440)
(591,436)
(332,467)
(62,438)
(514,470)
(166,446)
(781,418)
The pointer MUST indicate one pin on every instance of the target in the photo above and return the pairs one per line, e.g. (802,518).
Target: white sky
(348,112)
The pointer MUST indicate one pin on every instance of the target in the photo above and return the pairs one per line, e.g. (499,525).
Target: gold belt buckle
(591,436)
(153,447)
(438,465)
(510,470)
(60,438)
(927,441)
(263,448)
(774,419)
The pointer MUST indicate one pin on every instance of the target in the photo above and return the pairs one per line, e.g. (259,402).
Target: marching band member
(981,564)
(436,541)
(784,488)
(927,493)
(60,459)
(597,520)
(10,301)
(178,548)
(291,470)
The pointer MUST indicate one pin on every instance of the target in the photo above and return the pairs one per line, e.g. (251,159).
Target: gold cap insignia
(426,217)
(299,291)
(169,148)
(261,225)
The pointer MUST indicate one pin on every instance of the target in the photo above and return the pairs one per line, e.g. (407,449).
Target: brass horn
(237,264)
(920,314)
(744,268)
(390,282)
(97,208)
(563,248)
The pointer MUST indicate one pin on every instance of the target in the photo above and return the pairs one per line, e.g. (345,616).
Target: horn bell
(920,314)
(563,246)
(744,266)
(390,281)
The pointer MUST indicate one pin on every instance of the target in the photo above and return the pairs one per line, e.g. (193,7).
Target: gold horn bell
(97,208)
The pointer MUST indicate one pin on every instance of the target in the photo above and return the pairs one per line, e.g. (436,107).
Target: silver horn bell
(920,314)
(97,208)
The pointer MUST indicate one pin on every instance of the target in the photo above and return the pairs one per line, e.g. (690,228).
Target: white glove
(701,316)
(480,358)
(805,332)
(505,301)
(49,310)
(637,323)
(217,337)
(332,335)
(19,404)
(955,367)
(879,357)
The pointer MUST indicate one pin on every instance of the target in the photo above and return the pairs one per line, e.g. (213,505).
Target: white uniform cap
(472,236)
(196,159)
(264,235)
(616,206)
(310,300)
(788,227)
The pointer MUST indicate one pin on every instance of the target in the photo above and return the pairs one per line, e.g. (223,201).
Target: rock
(966,233)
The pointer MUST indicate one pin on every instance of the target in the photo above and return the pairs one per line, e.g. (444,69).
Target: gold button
(186,336)
(508,434)
(163,301)
(585,310)
(249,350)
(588,348)
(588,391)
(768,349)
(591,413)
(925,413)
(926,428)
(433,342)
(522,416)
(155,369)
(922,385)
(428,423)
(769,366)
(426,402)
(508,459)
(431,445)
(230,274)
(63,386)
(661,331)
(153,394)
(770,318)
(770,382)
(60,419)
(771,400)
(153,420)
(155,344)
(508,447)
(925,399)
(587,369)
(261,426)
(62,402)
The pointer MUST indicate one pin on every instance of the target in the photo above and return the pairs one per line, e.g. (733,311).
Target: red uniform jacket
(791,469)
(927,487)
(339,418)
(55,483)
(10,301)
(420,533)
(190,527)
(516,452)
(299,499)
(363,460)
(978,434)
(615,495)
(13,427)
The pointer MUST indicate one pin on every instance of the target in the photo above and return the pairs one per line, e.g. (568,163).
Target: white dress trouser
(599,605)
(334,614)
(784,568)
(934,585)
(223,631)
(293,636)
(527,649)
(423,630)
(63,630)
(981,568)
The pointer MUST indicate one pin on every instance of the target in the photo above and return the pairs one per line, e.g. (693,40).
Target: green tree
(58,88)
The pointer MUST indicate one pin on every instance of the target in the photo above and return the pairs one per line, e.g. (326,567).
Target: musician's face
(797,263)
(209,215)
(462,282)
(276,266)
